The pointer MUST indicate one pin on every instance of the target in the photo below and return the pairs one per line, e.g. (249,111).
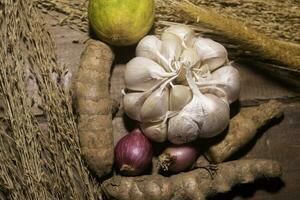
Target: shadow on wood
(248,190)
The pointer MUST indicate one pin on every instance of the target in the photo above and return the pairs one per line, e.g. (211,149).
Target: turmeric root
(196,184)
(242,128)
(94,107)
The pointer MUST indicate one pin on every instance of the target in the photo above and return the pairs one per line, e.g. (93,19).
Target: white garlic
(171,49)
(216,118)
(224,79)
(184,127)
(205,116)
(155,106)
(180,86)
(142,73)
(190,57)
(155,131)
(212,53)
(180,96)
(214,90)
(132,103)
(229,81)
(185,33)
(149,47)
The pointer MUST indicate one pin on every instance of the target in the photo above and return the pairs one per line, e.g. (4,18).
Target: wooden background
(280,142)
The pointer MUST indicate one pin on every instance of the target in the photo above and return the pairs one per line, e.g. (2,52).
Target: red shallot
(133,153)
(178,158)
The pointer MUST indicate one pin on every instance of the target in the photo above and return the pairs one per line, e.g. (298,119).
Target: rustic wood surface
(280,142)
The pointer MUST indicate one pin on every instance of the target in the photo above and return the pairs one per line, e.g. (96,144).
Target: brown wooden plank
(258,84)
(69,44)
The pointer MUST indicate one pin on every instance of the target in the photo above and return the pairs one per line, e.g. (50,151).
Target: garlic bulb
(180,86)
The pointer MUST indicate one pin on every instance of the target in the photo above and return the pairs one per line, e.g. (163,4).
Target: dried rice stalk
(277,19)
(72,13)
(269,48)
(39,158)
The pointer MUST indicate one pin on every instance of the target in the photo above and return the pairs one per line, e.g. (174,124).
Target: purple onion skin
(184,157)
(133,153)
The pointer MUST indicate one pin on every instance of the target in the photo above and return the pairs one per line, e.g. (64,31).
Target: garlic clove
(205,116)
(190,57)
(202,118)
(156,132)
(142,73)
(180,95)
(229,79)
(170,50)
(155,106)
(213,112)
(226,79)
(216,117)
(212,53)
(185,33)
(214,90)
(132,103)
(184,127)
(149,47)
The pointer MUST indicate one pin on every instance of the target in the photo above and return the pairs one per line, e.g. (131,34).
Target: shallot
(133,153)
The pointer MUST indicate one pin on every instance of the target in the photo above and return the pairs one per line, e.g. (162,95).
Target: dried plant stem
(269,48)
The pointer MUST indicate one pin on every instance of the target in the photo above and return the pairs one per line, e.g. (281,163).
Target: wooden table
(280,142)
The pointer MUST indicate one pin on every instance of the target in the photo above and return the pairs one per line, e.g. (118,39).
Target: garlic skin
(180,96)
(205,116)
(190,57)
(228,79)
(225,79)
(184,127)
(216,119)
(212,53)
(155,131)
(180,86)
(132,103)
(155,106)
(185,33)
(149,47)
(142,73)
(171,49)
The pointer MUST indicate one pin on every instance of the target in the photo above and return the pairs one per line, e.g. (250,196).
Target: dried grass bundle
(239,26)
(268,48)
(39,157)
